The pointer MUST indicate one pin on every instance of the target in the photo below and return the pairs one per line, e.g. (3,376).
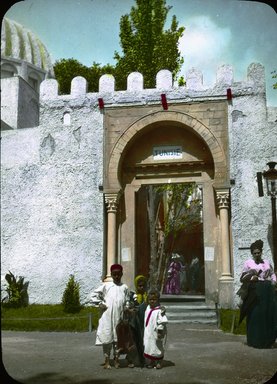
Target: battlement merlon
(194,88)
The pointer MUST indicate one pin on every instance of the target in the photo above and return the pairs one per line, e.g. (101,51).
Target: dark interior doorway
(179,249)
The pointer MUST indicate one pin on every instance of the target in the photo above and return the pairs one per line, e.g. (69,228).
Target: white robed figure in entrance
(155,331)
(112,298)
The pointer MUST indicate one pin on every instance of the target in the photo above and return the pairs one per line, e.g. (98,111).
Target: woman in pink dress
(259,299)
(173,282)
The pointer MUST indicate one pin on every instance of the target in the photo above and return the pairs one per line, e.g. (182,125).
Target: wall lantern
(270,176)
(229,94)
(100,103)
(164,101)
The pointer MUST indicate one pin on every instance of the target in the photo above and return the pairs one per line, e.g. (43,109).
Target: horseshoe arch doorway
(141,170)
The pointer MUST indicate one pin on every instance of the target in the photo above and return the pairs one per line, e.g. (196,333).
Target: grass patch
(52,318)
(226,321)
(48,318)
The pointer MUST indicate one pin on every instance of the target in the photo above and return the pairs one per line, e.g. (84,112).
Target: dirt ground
(195,354)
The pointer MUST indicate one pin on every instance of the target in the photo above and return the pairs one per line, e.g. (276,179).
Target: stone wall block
(49,89)
(135,82)
(194,79)
(225,75)
(120,146)
(106,83)
(79,86)
(164,79)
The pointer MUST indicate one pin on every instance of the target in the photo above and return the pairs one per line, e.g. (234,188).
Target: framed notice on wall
(209,253)
(125,254)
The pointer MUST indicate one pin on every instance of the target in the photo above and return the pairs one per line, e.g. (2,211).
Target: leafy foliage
(71,296)
(274,76)
(181,81)
(66,69)
(183,207)
(146,46)
(17,291)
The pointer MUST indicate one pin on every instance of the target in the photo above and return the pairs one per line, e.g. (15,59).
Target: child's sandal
(158,365)
(106,364)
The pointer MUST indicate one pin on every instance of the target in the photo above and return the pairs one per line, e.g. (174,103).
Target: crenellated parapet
(195,87)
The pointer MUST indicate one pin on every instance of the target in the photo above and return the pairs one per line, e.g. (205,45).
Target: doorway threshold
(184,298)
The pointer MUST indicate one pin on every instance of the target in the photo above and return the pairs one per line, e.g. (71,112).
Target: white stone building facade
(64,180)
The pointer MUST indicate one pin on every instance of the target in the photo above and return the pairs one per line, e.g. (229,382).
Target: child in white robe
(112,298)
(155,331)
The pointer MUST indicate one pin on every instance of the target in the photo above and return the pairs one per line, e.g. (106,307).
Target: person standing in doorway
(194,274)
(173,282)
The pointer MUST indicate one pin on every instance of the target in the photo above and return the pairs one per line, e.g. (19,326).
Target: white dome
(19,43)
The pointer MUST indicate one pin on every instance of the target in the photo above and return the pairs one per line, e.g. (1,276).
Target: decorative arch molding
(8,70)
(184,119)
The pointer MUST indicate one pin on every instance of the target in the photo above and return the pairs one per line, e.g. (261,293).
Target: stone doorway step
(189,309)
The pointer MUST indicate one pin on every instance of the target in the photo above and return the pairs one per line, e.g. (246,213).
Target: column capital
(111,200)
(222,198)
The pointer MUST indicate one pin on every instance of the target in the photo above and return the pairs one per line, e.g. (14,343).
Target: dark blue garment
(137,325)
(261,321)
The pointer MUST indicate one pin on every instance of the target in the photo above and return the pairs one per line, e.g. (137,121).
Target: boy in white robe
(155,331)
(112,298)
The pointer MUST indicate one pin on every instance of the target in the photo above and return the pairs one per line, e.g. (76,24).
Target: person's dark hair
(258,244)
(154,292)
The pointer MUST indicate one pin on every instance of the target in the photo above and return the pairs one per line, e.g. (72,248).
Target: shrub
(71,296)
(17,291)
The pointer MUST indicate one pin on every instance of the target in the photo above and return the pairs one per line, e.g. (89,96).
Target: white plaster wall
(52,209)
(252,144)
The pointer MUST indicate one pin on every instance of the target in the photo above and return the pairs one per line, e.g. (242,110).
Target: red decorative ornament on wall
(229,94)
(100,103)
(164,101)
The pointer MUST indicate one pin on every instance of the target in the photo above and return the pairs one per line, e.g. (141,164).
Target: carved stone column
(226,279)
(111,200)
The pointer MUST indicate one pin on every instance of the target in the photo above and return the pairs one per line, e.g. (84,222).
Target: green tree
(66,69)
(71,296)
(183,209)
(146,46)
